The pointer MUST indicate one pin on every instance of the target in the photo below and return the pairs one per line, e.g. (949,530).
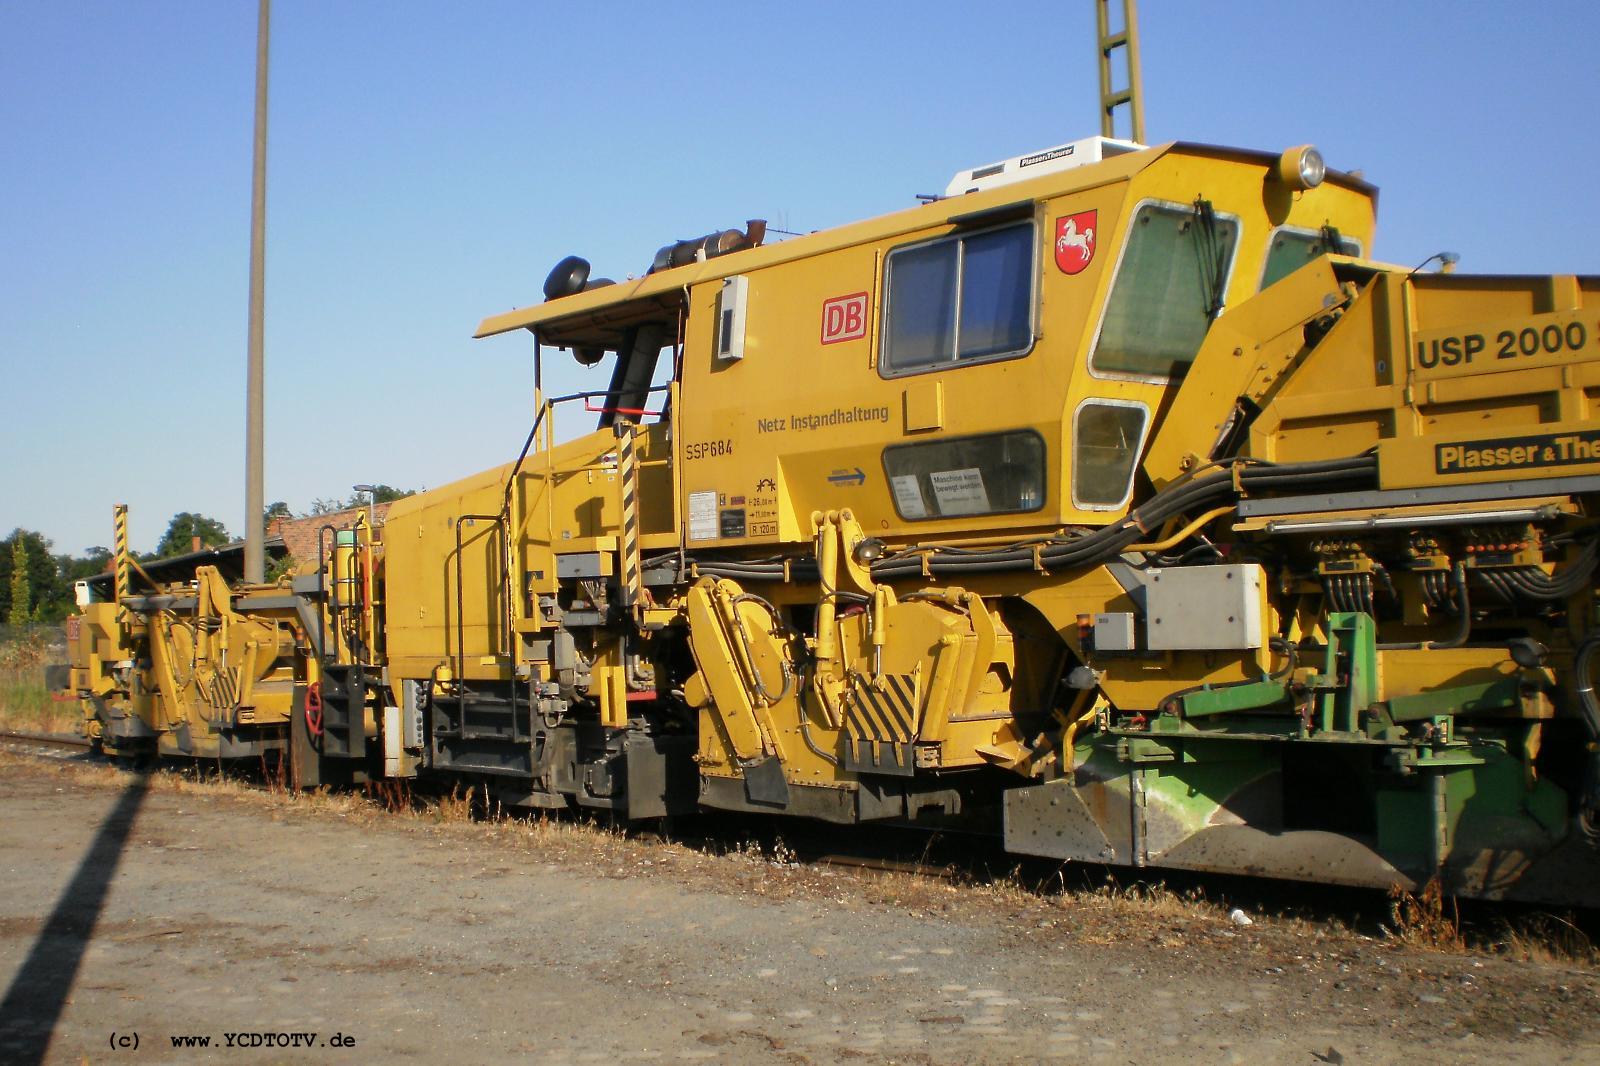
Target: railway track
(941,871)
(814,847)
(964,859)
(52,742)
(55,745)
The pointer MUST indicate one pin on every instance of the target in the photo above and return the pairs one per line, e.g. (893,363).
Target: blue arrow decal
(848,477)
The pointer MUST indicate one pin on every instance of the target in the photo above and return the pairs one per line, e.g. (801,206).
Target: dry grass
(24,701)
(199,780)
(1103,914)
(1431,921)
(1426,920)
(1545,938)
(1182,923)
(395,797)
(455,808)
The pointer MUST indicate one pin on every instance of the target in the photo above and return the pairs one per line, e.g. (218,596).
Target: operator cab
(989,362)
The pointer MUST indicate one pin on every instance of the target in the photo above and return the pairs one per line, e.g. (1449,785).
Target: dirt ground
(171,909)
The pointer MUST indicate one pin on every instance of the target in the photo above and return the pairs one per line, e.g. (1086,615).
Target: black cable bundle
(1097,546)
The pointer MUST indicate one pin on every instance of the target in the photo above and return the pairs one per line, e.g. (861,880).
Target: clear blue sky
(429,162)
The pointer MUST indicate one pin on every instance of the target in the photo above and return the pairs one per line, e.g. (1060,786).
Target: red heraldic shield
(1075,242)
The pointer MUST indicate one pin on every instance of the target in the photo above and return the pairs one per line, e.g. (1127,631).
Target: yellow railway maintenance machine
(179,657)
(1114,502)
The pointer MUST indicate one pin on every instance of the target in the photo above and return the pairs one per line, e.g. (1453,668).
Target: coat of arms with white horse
(1075,241)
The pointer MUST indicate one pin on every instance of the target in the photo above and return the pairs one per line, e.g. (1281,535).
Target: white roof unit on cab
(1017,168)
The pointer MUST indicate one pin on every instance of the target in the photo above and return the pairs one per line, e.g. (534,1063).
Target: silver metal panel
(267,601)
(310,616)
(1059,821)
(391,741)
(578,564)
(1114,632)
(1489,513)
(1129,573)
(1350,501)
(160,602)
(1197,608)
(411,713)
(1297,855)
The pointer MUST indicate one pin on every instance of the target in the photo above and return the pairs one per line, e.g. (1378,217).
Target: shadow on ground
(34,1002)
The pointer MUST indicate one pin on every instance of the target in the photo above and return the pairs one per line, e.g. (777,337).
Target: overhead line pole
(1111,98)
(254,492)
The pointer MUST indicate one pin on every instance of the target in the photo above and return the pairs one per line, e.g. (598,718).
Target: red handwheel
(314,708)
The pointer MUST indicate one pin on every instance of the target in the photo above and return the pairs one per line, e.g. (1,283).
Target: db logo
(1075,241)
(844,318)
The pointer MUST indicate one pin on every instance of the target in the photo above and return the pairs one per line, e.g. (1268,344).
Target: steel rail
(24,736)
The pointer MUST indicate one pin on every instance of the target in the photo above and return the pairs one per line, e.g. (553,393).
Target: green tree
(276,511)
(387,494)
(71,570)
(48,598)
(184,527)
(92,562)
(381,494)
(20,612)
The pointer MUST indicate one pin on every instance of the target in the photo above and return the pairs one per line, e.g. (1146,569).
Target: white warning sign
(908,496)
(703,516)
(959,491)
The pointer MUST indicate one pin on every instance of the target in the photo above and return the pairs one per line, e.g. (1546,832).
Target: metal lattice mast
(1109,41)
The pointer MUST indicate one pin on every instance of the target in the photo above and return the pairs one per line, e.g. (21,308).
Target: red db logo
(844,318)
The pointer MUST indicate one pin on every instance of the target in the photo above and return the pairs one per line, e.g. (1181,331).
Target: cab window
(1169,286)
(1106,439)
(995,474)
(1292,248)
(965,298)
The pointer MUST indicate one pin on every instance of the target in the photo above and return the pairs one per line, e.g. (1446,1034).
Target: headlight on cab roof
(1302,167)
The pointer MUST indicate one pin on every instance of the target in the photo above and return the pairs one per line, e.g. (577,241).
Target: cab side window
(965,298)
(1168,288)
(995,474)
(1106,440)
(1291,248)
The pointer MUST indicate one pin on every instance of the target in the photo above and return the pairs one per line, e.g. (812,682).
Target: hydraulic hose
(1536,584)
(1100,545)
(1583,675)
(1589,711)
(1458,574)
(1110,541)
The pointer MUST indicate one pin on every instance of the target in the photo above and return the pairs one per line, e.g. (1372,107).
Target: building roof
(300,535)
(227,558)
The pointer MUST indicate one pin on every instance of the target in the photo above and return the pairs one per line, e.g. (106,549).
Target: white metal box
(1194,608)
(1114,632)
(1048,161)
(731,312)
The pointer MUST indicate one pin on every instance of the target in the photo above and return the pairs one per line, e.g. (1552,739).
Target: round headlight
(1302,167)
(868,551)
